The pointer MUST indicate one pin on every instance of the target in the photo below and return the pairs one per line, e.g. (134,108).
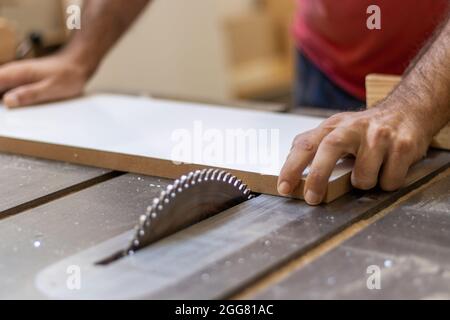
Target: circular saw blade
(188,200)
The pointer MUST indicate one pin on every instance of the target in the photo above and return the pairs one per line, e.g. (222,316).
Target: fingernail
(312,198)
(284,188)
(11,101)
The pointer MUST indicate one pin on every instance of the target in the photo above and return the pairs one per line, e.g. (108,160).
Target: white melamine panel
(249,141)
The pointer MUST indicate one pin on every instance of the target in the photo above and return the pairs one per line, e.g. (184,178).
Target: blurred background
(200,50)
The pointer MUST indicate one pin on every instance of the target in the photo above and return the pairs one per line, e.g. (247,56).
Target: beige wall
(176,49)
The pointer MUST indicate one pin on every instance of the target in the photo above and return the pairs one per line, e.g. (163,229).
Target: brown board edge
(154,167)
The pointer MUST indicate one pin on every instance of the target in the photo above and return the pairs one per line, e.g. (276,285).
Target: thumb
(27,95)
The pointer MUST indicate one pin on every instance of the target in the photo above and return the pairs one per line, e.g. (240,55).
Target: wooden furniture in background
(282,11)
(32,29)
(379,86)
(8,41)
(260,51)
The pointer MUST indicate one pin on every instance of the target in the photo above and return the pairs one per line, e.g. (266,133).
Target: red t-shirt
(333,34)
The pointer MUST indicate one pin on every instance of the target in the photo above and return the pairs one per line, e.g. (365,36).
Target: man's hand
(40,80)
(65,74)
(385,140)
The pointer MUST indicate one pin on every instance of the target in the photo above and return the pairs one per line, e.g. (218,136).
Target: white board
(159,137)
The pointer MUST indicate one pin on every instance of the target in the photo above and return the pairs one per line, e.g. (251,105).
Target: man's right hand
(35,81)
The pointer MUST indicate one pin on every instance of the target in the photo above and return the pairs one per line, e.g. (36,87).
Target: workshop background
(175,39)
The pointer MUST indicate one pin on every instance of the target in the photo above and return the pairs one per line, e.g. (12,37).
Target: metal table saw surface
(267,247)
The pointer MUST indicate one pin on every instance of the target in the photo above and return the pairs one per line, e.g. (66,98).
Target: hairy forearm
(424,92)
(103,22)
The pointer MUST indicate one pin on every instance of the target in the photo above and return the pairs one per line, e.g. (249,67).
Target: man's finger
(14,75)
(303,149)
(369,159)
(333,147)
(396,166)
(28,95)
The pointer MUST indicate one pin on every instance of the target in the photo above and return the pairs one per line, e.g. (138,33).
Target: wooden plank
(45,234)
(143,135)
(221,255)
(379,86)
(27,182)
(410,245)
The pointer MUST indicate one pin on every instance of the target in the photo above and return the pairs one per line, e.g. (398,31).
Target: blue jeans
(314,89)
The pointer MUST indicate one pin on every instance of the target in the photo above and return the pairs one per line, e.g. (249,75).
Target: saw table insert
(163,138)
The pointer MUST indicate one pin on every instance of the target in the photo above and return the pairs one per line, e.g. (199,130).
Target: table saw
(58,220)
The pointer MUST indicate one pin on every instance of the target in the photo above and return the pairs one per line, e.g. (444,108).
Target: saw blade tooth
(162,197)
(170,193)
(242,187)
(214,174)
(155,207)
(237,183)
(208,174)
(167,196)
(195,177)
(226,176)
(176,188)
(202,175)
(161,202)
(232,179)
(220,175)
(187,182)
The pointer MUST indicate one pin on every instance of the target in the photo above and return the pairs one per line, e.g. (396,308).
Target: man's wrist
(85,60)
(420,116)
